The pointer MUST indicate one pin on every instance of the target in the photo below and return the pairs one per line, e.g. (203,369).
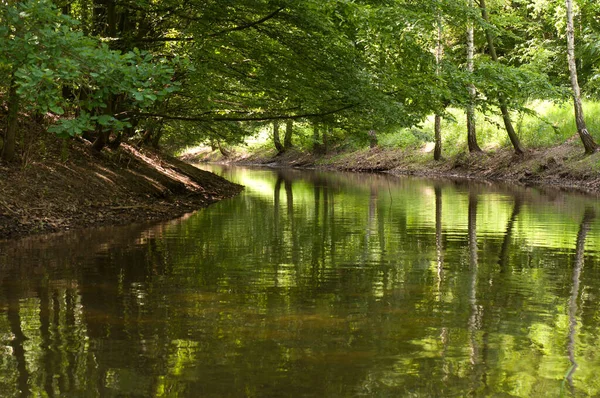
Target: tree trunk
(316,141)
(276,139)
(471,126)
(586,138)
(437,151)
(156,138)
(223,150)
(147,136)
(103,132)
(287,139)
(503,105)
(10,137)
(328,132)
(99,18)
(111,19)
(101,140)
(372,138)
(116,142)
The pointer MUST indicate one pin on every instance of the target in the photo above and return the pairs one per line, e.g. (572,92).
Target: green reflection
(314,284)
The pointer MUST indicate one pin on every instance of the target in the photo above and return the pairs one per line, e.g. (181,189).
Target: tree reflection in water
(433,288)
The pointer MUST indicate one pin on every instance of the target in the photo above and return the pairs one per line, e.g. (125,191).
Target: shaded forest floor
(61,186)
(563,166)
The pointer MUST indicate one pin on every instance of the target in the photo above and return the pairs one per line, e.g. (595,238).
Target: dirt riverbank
(564,166)
(70,186)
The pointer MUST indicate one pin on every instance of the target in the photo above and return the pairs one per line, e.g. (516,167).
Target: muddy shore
(73,187)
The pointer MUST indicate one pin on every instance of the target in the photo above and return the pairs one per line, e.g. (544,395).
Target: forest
(481,279)
(172,74)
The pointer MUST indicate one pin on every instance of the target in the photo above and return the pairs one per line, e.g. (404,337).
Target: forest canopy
(216,71)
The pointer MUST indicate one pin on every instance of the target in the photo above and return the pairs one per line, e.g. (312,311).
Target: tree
(586,138)
(45,54)
(514,139)
(471,125)
(439,53)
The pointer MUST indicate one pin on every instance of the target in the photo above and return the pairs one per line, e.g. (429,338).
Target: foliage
(45,53)
(216,71)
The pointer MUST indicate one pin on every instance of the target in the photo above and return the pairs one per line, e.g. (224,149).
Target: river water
(314,284)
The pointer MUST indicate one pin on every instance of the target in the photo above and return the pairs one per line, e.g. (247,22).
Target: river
(314,284)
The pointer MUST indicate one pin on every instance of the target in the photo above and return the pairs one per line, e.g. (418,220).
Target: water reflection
(588,217)
(314,284)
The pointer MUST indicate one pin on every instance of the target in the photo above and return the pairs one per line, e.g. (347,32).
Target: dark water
(314,284)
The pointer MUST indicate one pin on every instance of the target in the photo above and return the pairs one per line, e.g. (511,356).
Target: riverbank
(563,166)
(71,186)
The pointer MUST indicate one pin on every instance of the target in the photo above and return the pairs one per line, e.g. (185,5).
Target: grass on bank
(548,125)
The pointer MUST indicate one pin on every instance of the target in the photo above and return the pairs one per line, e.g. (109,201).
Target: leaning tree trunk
(586,138)
(10,137)
(223,150)
(514,139)
(276,139)
(471,127)
(437,151)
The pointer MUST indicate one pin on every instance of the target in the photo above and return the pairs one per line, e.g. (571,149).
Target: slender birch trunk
(437,151)
(471,125)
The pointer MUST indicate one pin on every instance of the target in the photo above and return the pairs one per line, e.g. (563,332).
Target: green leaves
(72,127)
(48,55)
(252,59)
(57,109)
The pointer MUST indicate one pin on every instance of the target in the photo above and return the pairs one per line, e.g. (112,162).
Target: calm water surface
(314,284)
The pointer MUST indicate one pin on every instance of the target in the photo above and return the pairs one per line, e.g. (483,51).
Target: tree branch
(243,119)
(159,39)
(221,32)
(249,24)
